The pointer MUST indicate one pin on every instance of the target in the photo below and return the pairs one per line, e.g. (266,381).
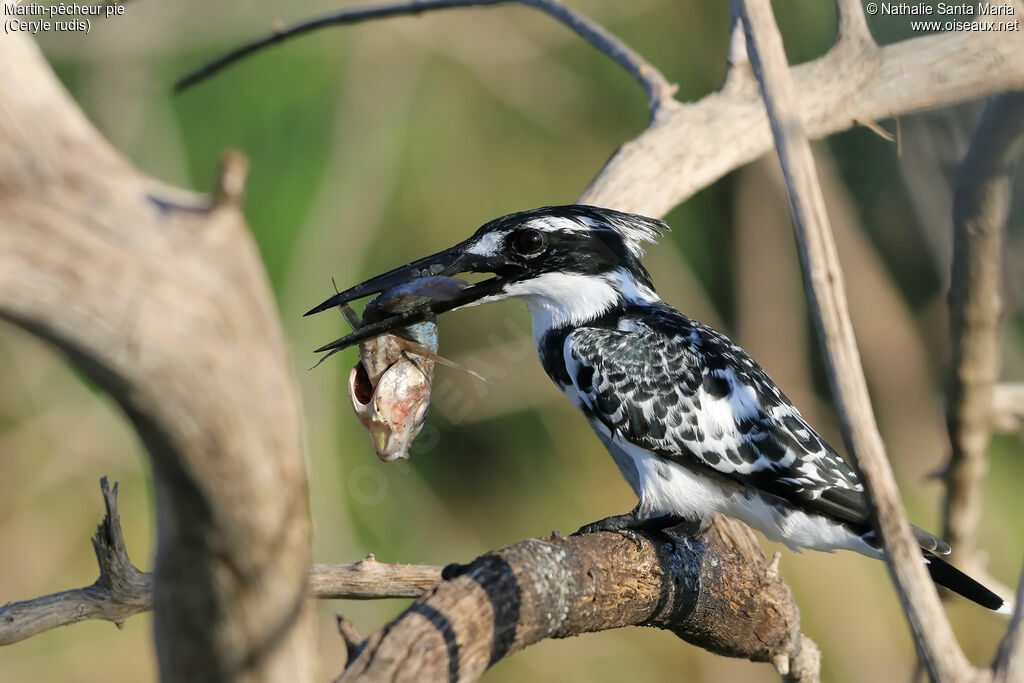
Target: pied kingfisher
(694,424)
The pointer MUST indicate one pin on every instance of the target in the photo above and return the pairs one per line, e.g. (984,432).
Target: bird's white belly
(665,487)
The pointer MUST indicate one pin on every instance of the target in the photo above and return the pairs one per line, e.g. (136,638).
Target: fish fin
(353,319)
(420,350)
(324,357)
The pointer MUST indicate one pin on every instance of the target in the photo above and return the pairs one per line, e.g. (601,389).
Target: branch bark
(714,590)
(981,206)
(160,296)
(823,278)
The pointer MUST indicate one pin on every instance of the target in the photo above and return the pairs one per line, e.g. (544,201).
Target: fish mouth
(452,261)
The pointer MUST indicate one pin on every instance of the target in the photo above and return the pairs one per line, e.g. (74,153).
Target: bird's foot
(622,525)
(629,524)
(453,570)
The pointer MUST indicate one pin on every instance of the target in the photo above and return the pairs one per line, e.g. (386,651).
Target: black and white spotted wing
(685,392)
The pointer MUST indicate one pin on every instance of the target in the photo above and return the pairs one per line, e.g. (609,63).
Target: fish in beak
(429,304)
(390,386)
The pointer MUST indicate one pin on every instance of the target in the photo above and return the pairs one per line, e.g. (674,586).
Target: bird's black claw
(453,570)
(628,526)
(631,535)
(591,528)
(623,525)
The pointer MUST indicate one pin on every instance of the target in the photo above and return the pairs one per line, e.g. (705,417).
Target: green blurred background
(374,144)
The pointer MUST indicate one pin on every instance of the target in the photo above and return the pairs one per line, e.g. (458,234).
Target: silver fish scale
(680,389)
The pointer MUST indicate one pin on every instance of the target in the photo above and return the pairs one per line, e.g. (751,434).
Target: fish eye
(528,242)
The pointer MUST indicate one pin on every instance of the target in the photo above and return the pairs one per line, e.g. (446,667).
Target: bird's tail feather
(948,576)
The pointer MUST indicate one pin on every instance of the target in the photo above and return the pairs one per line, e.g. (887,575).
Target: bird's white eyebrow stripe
(488,245)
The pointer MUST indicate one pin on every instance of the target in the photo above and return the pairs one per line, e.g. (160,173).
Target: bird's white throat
(560,299)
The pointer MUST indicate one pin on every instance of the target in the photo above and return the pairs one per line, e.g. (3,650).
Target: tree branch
(160,297)
(981,206)
(122,590)
(824,284)
(708,589)
(658,89)
(854,82)
(713,589)
(64,186)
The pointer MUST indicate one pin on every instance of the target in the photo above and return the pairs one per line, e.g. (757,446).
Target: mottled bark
(711,589)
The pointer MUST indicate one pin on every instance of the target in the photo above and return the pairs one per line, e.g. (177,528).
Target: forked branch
(120,592)
(123,591)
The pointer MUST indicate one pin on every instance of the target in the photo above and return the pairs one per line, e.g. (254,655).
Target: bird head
(569,263)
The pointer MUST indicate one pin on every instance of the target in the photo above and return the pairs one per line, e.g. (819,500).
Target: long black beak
(448,262)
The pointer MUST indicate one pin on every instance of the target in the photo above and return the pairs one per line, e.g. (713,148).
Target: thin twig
(981,206)
(649,77)
(824,284)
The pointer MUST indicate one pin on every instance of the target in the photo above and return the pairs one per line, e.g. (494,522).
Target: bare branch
(706,589)
(824,283)
(656,86)
(160,297)
(714,590)
(119,592)
(689,146)
(123,591)
(371,580)
(981,206)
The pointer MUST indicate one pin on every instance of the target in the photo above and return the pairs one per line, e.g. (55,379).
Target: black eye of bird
(528,242)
